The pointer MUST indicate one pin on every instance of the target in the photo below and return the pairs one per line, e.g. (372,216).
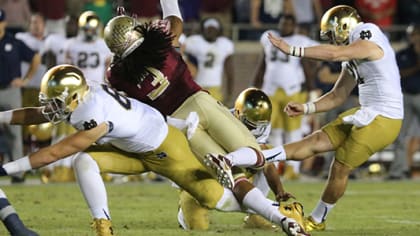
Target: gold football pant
(172,159)
(354,145)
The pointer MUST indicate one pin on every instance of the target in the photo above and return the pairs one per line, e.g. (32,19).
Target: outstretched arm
(359,49)
(70,145)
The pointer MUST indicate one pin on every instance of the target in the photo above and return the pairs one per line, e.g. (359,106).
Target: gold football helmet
(89,24)
(41,132)
(337,23)
(253,108)
(62,87)
(120,36)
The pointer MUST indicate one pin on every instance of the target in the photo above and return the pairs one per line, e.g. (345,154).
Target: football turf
(369,207)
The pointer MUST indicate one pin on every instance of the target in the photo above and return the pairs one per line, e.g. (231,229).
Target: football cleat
(293,223)
(221,166)
(292,228)
(181,220)
(102,227)
(311,225)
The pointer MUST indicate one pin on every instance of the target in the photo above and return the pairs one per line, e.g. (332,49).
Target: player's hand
(164,25)
(284,196)
(279,43)
(294,109)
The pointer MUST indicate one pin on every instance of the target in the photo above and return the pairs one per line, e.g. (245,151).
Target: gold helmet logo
(337,23)
(62,87)
(253,108)
(120,36)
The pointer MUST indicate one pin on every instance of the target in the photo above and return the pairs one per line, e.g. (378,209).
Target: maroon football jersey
(164,89)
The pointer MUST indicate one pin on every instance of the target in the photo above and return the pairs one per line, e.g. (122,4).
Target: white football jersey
(133,126)
(56,43)
(89,57)
(36,45)
(379,80)
(282,70)
(210,58)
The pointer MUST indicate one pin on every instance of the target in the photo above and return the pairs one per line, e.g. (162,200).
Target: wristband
(170,8)
(297,51)
(309,108)
(17,166)
(6,117)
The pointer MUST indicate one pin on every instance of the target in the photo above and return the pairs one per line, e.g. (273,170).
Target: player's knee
(84,161)
(194,214)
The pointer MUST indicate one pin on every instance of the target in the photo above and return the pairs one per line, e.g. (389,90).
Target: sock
(319,214)
(9,216)
(91,185)
(246,157)
(257,202)
(228,202)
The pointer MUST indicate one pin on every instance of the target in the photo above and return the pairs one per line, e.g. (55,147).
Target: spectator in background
(220,9)
(54,12)
(144,10)
(190,10)
(213,54)
(408,60)
(380,13)
(12,53)
(308,14)
(266,12)
(408,12)
(18,14)
(102,8)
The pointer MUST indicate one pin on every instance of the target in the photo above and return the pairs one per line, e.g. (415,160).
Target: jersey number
(122,100)
(160,82)
(209,60)
(83,57)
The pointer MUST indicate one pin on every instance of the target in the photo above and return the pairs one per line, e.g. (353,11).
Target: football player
(369,63)
(285,78)
(131,138)
(148,67)
(213,57)
(88,50)
(253,108)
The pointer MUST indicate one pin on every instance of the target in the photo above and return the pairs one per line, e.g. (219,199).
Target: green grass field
(368,208)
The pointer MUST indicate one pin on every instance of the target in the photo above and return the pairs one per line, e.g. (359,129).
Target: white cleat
(222,168)
(292,228)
